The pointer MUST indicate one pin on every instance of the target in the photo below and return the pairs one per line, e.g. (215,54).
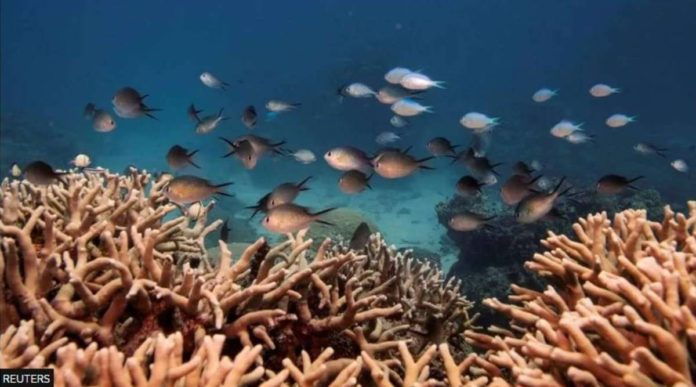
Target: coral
(619,310)
(103,282)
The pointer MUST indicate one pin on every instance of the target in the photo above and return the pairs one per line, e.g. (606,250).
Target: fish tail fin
(490,218)
(322,212)
(230,143)
(421,161)
(222,185)
(194,164)
(439,84)
(635,179)
(370,176)
(428,109)
(560,183)
(228,154)
(147,113)
(633,118)
(615,90)
(661,154)
(193,152)
(301,184)
(224,194)
(296,104)
(555,91)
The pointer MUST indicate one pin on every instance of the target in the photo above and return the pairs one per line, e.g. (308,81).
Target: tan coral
(620,310)
(101,265)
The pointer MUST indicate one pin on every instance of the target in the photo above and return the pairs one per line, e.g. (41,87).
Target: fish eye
(328,153)
(268,219)
(249,158)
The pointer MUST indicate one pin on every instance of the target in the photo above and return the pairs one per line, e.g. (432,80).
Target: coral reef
(344,222)
(500,251)
(619,309)
(102,282)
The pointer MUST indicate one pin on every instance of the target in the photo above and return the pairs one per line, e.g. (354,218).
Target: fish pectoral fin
(325,222)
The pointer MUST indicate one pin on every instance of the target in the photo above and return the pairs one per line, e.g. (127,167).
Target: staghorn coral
(619,310)
(103,282)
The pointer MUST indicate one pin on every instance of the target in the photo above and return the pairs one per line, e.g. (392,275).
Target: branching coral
(105,284)
(620,309)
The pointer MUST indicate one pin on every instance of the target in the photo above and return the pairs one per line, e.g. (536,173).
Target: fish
(188,189)
(386,138)
(440,146)
(304,156)
(408,108)
(260,145)
(249,117)
(516,188)
(680,165)
(81,161)
(102,121)
(469,186)
(418,81)
(360,237)
(579,137)
(128,103)
(543,183)
(395,75)
(286,193)
(538,204)
(619,120)
(544,94)
(346,158)
(398,121)
(193,113)
(479,166)
(290,218)
(353,182)
(243,151)
(615,184)
(394,164)
(358,90)
(565,128)
(521,169)
(41,173)
(260,206)
(225,231)
(480,143)
(469,221)
(210,123)
(390,94)
(15,170)
(212,81)
(89,110)
(478,121)
(649,149)
(277,106)
(179,157)
(601,90)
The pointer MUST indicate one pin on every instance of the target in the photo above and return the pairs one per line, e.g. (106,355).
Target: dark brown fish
(354,181)
(225,231)
(193,113)
(40,173)
(179,157)
(468,186)
(244,152)
(249,117)
(516,188)
(190,189)
(128,103)
(615,184)
(289,217)
(286,193)
(520,168)
(469,221)
(360,237)
(440,146)
(89,110)
(394,164)
(537,205)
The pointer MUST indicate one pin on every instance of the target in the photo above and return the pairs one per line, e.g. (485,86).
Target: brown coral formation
(620,309)
(104,283)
